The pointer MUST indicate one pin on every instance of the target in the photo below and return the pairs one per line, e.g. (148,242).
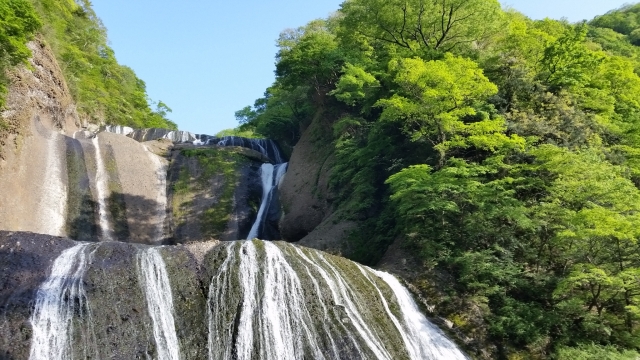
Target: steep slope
(33,169)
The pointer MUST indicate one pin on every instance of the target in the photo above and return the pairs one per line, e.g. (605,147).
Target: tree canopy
(504,150)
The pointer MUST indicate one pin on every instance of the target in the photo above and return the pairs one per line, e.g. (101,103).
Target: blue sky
(207,59)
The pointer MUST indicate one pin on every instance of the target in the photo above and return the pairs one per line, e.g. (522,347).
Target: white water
(159,303)
(278,302)
(56,300)
(119,129)
(53,201)
(271,176)
(272,325)
(266,147)
(286,324)
(220,332)
(161,197)
(343,294)
(100,182)
(424,340)
(248,274)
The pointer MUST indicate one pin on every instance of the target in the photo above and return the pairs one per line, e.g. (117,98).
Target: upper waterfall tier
(267,147)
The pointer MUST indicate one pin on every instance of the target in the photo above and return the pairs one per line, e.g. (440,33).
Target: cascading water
(161,197)
(271,301)
(154,277)
(271,176)
(58,300)
(119,129)
(157,290)
(266,147)
(433,344)
(53,201)
(100,182)
(265,300)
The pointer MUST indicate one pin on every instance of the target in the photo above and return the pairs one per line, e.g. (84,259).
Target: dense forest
(105,91)
(505,151)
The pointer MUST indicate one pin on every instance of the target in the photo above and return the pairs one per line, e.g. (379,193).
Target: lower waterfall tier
(242,300)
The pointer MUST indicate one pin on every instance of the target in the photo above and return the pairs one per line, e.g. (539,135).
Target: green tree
(436,98)
(18,25)
(420,27)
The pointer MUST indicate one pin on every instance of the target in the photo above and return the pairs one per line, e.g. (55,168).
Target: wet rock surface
(25,261)
(116,324)
(223,182)
(304,192)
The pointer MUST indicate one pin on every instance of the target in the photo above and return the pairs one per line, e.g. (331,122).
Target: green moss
(182,196)
(213,163)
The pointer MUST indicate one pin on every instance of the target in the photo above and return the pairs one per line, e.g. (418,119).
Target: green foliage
(595,352)
(422,27)
(18,24)
(435,98)
(509,160)
(105,91)
(624,20)
(278,116)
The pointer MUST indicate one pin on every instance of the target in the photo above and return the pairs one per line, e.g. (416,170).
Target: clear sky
(207,59)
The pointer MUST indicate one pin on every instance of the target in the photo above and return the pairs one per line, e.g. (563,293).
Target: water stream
(271,175)
(272,301)
(101,185)
(58,300)
(157,289)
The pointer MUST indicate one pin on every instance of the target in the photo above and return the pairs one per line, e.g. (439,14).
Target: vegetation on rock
(105,91)
(18,25)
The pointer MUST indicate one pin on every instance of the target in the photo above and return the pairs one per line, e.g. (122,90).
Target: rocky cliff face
(61,179)
(309,216)
(39,112)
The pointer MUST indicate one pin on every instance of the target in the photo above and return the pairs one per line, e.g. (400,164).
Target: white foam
(157,290)
(101,184)
(58,300)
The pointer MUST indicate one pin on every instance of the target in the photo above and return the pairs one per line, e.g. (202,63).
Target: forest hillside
(104,91)
(504,151)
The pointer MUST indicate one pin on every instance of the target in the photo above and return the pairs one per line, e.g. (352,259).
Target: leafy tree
(18,24)
(420,27)
(436,98)
(105,91)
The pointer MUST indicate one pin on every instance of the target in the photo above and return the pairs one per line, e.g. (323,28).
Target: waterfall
(271,176)
(161,197)
(58,300)
(119,129)
(220,292)
(266,147)
(157,290)
(53,202)
(272,301)
(101,183)
(424,340)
